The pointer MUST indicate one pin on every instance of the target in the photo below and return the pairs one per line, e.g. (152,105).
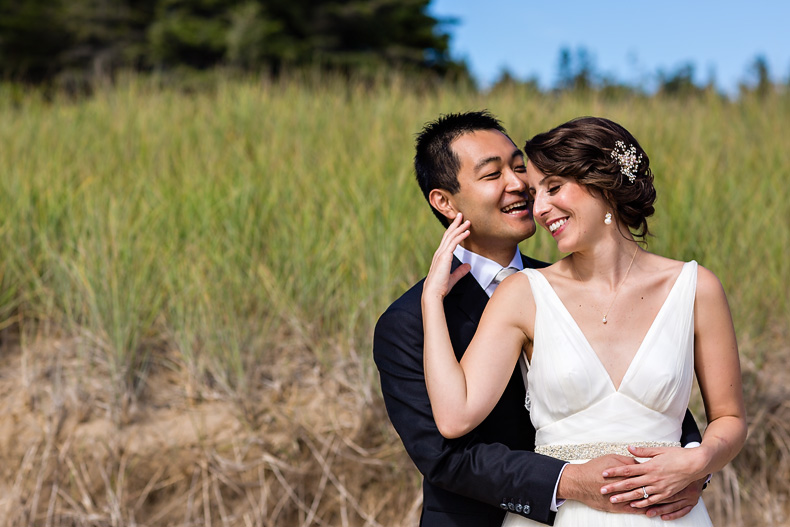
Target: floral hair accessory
(627,159)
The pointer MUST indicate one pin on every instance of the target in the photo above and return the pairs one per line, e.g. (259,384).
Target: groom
(467,163)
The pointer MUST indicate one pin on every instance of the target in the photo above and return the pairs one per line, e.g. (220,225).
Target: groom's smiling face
(493,193)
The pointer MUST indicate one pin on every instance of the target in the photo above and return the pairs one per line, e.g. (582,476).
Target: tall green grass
(224,225)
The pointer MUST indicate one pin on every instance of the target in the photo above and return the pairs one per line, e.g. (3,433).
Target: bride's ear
(440,200)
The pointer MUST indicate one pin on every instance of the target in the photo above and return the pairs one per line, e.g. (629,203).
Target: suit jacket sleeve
(491,473)
(690,431)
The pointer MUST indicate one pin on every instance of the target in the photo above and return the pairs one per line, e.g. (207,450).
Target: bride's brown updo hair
(581,149)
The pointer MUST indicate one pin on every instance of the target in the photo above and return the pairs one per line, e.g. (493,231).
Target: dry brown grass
(309,447)
(311,450)
(754,489)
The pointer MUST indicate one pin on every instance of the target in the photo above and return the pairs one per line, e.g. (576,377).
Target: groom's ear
(440,200)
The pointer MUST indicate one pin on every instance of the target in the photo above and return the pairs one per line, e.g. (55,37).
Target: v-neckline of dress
(589,347)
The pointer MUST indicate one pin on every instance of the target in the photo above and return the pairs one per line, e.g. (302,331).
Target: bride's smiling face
(565,208)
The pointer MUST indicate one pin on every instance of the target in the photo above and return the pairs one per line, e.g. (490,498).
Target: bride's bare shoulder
(657,263)
(559,270)
(514,297)
(658,269)
(709,286)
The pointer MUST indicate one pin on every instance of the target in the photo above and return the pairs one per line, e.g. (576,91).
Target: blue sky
(628,40)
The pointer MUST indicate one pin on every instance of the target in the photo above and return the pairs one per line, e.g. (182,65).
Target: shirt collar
(483,269)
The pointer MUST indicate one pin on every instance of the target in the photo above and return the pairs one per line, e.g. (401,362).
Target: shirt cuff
(555,503)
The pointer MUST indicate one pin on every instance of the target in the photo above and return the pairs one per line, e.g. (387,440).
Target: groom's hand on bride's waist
(680,504)
(583,482)
(669,480)
(668,483)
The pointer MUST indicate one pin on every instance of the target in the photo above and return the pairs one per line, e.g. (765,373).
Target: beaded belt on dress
(593,450)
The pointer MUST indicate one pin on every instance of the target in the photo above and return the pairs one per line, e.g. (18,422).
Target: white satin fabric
(572,399)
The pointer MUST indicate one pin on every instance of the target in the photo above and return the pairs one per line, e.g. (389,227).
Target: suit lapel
(467,296)
(531,263)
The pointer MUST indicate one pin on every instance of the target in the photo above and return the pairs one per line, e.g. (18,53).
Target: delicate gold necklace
(617,291)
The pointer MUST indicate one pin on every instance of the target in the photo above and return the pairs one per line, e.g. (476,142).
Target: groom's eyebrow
(483,162)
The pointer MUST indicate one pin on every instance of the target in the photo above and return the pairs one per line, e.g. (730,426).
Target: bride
(612,334)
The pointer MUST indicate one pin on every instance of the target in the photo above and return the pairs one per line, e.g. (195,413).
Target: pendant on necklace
(604,319)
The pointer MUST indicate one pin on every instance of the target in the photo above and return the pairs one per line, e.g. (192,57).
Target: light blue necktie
(502,274)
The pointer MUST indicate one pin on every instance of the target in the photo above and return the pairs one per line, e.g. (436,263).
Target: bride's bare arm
(462,394)
(718,372)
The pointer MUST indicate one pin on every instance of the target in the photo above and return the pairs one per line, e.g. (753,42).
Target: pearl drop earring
(608,218)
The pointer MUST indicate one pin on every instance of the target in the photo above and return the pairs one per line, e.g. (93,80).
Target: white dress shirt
(483,269)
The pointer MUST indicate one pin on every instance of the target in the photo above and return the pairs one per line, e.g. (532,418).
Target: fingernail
(605,474)
(604,490)
(613,499)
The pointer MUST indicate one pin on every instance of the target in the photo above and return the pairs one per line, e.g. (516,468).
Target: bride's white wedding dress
(579,414)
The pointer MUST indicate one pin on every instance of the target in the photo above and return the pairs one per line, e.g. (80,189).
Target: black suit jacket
(472,480)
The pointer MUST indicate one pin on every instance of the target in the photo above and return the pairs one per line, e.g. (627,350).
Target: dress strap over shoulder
(523,362)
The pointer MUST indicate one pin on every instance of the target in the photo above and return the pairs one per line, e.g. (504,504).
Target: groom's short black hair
(435,163)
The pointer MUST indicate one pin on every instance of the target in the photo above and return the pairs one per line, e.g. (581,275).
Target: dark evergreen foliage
(44,39)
